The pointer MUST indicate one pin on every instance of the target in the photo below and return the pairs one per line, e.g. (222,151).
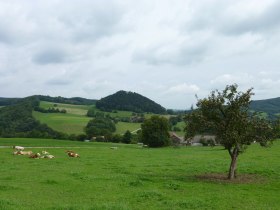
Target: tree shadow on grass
(223,178)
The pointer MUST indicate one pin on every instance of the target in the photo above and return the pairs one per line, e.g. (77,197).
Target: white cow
(18,148)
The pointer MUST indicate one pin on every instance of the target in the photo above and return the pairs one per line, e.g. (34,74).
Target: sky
(166,50)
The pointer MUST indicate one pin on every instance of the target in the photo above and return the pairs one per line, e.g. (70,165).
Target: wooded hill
(269,106)
(16,120)
(8,101)
(73,100)
(59,99)
(129,101)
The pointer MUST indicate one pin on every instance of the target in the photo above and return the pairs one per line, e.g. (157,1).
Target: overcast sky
(165,50)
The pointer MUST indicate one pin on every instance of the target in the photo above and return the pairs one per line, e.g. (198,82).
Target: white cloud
(183,89)
(225,79)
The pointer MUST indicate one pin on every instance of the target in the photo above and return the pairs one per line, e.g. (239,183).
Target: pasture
(67,123)
(74,121)
(131,177)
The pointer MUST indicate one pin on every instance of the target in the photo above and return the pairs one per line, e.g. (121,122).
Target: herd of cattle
(19,150)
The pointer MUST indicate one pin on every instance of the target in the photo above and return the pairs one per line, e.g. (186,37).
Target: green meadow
(131,177)
(67,123)
(74,121)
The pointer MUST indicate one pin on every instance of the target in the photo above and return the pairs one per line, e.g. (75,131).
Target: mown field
(136,178)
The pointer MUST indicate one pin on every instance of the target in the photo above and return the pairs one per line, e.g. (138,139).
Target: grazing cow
(18,148)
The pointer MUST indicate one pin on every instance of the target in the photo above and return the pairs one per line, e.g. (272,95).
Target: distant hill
(129,101)
(59,99)
(16,120)
(8,101)
(74,100)
(270,106)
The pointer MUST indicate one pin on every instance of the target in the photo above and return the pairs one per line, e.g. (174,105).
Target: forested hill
(8,101)
(74,100)
(129,101)
(59,99)
(269,106)
(16,120)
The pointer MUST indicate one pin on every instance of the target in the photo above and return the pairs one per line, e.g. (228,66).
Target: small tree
(100,127)
(226,114)
(127,137)
(155,132)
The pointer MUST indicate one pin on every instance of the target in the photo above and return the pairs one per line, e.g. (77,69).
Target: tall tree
(226,114)
(155,132)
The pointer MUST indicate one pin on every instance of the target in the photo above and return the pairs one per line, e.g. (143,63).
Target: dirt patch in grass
(240,179)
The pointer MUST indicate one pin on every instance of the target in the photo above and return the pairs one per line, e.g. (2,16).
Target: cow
(24,152)
(35,156)
(18,148)
(72,154)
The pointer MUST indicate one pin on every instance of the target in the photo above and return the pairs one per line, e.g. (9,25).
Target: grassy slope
(134,178)
(74,121)
(122,127)
(67,123)
(71,109)
(182,126)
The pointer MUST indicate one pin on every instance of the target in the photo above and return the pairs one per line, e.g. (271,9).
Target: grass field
(74,121)
(67,123)
(122,127)
(135,178)
(70,108)
(182,126)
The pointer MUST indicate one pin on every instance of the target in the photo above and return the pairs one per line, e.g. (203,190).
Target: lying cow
(49,156)
(72,153)
(23,153)
(35,156)
(18,148)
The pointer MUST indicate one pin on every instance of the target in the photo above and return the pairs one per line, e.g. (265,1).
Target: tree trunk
(232,168)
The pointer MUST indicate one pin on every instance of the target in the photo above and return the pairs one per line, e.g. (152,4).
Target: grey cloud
(5,37)
(215,18)
(50,56)
(58,82)
(268,20)
(183,56)
(91,21)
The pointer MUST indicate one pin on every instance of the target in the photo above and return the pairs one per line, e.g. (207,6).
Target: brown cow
(73,154)
(37,155)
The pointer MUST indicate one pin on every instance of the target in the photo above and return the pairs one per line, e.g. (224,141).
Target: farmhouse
(177,140)
(199,140)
